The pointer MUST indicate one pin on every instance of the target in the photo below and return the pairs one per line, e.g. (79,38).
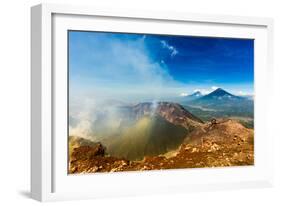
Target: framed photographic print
(133,102)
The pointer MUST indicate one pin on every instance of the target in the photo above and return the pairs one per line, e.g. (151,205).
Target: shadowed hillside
(151,135)
(147,129)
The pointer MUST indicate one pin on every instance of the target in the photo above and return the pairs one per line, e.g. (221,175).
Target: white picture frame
(49,179)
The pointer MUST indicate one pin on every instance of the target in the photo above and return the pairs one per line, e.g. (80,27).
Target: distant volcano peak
(220,92)
(197,93)
(219,89)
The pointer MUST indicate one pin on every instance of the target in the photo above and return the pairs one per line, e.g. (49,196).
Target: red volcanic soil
(217,144)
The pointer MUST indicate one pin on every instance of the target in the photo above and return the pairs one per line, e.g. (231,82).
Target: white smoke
(91,118)
(115,70)
(154,107)
(82,129)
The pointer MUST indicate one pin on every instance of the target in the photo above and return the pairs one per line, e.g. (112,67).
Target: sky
(135,67)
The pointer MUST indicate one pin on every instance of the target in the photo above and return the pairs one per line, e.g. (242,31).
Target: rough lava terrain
(219,143)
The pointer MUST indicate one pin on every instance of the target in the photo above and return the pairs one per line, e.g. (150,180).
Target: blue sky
(135,66)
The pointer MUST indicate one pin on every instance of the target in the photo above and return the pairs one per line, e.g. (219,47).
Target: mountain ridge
(219,98)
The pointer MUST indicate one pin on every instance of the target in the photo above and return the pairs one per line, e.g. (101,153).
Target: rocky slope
(213,144)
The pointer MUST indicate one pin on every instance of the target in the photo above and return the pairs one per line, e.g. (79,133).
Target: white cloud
(203,91)
(242,93)
(214,87)
(171,48)
(183,94)
(117,68)
(207,90)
